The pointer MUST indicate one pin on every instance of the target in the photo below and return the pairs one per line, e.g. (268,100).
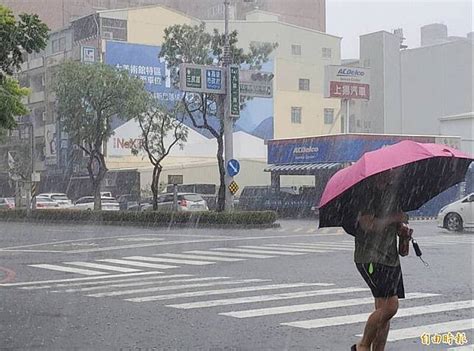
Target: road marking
(289,248)
(296,230)
(221,291)
(322,247)
(225,254)
(362,317)
(462,348)
(259,251)
(330,244)
(67,269)
(272,297)
(177,242)
(103,266)
(107,276)
(312,230)
(200,257)
(167,260)
(140,283)
(415,332)
(259,312)
(103,282)
(137,264)
(173,287)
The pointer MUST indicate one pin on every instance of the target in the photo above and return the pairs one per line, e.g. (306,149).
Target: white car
(61,199)
(87,203)
(458,215)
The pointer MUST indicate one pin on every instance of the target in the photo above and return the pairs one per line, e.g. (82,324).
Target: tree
(192,44)
(89,96)
(27,34)
(10,102)
(155,125)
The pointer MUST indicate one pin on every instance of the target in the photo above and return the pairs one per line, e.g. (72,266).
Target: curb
(147,225)
(422,218)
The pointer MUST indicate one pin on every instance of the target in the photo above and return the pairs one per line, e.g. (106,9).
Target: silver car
(61,199)
(186,202)
(87,203)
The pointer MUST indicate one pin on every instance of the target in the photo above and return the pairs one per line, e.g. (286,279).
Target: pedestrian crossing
(222,255)
(308,305)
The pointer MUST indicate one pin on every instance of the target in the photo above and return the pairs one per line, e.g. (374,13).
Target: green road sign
(193,78)
(234,91)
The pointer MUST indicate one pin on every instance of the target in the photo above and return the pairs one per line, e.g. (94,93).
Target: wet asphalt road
(67,287)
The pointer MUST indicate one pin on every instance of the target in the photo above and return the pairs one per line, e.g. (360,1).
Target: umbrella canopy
(423,171)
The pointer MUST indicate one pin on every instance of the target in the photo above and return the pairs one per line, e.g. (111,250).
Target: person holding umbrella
(369,200)
(377,258)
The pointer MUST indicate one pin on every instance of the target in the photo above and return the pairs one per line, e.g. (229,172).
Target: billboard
(337,148)
(347,82)
(143,61)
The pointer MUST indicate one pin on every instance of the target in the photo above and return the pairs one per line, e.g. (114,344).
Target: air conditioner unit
(108,35)
(109,182)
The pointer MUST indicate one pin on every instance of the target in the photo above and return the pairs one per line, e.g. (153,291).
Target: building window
(328,116)
(326,53)
(59,45)
(304,84)
(296,115)
(296,50)
(114,29)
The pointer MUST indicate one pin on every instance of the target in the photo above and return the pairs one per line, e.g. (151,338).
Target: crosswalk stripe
(168,260)
(137,264)
(174,287)
(416,332)
(462,348)
(295,249)
(200,257)
(262,298)
(325,247)
(141,283)
(220,291)
(329,244)
(54,267)
(312,230)
(257,251)
(362,317)
(296,230)
(259,312)
(103,266)
(103,282)
(110,276)
(228,254)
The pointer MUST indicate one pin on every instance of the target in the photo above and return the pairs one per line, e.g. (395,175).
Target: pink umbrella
(426,170)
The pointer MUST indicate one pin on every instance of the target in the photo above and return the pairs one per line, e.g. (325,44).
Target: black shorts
(385,281)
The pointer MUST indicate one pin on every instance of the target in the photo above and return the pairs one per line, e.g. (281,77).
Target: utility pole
(228,122)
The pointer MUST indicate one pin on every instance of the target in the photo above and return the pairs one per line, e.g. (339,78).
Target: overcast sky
(351,18)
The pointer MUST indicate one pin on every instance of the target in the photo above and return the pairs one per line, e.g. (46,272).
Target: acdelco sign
(349,72)
(346,82)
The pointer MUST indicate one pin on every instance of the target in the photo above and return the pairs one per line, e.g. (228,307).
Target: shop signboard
(347,82)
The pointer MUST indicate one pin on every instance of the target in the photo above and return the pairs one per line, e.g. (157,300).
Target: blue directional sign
(233,167)
(214,79)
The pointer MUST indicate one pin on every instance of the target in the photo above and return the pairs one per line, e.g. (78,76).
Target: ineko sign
(347,82)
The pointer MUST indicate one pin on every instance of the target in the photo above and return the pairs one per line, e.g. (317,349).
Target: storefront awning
(303,168)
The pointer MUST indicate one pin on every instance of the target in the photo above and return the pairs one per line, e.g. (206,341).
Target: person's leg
(378,323)
(382,333)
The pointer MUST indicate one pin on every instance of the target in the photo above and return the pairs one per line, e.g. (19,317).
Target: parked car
(59,198)
(186,202)
(128,202)
(7,203)
(87,203)
(42,203)
(458,215)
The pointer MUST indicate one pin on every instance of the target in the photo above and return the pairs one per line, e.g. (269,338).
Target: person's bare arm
(371,224)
